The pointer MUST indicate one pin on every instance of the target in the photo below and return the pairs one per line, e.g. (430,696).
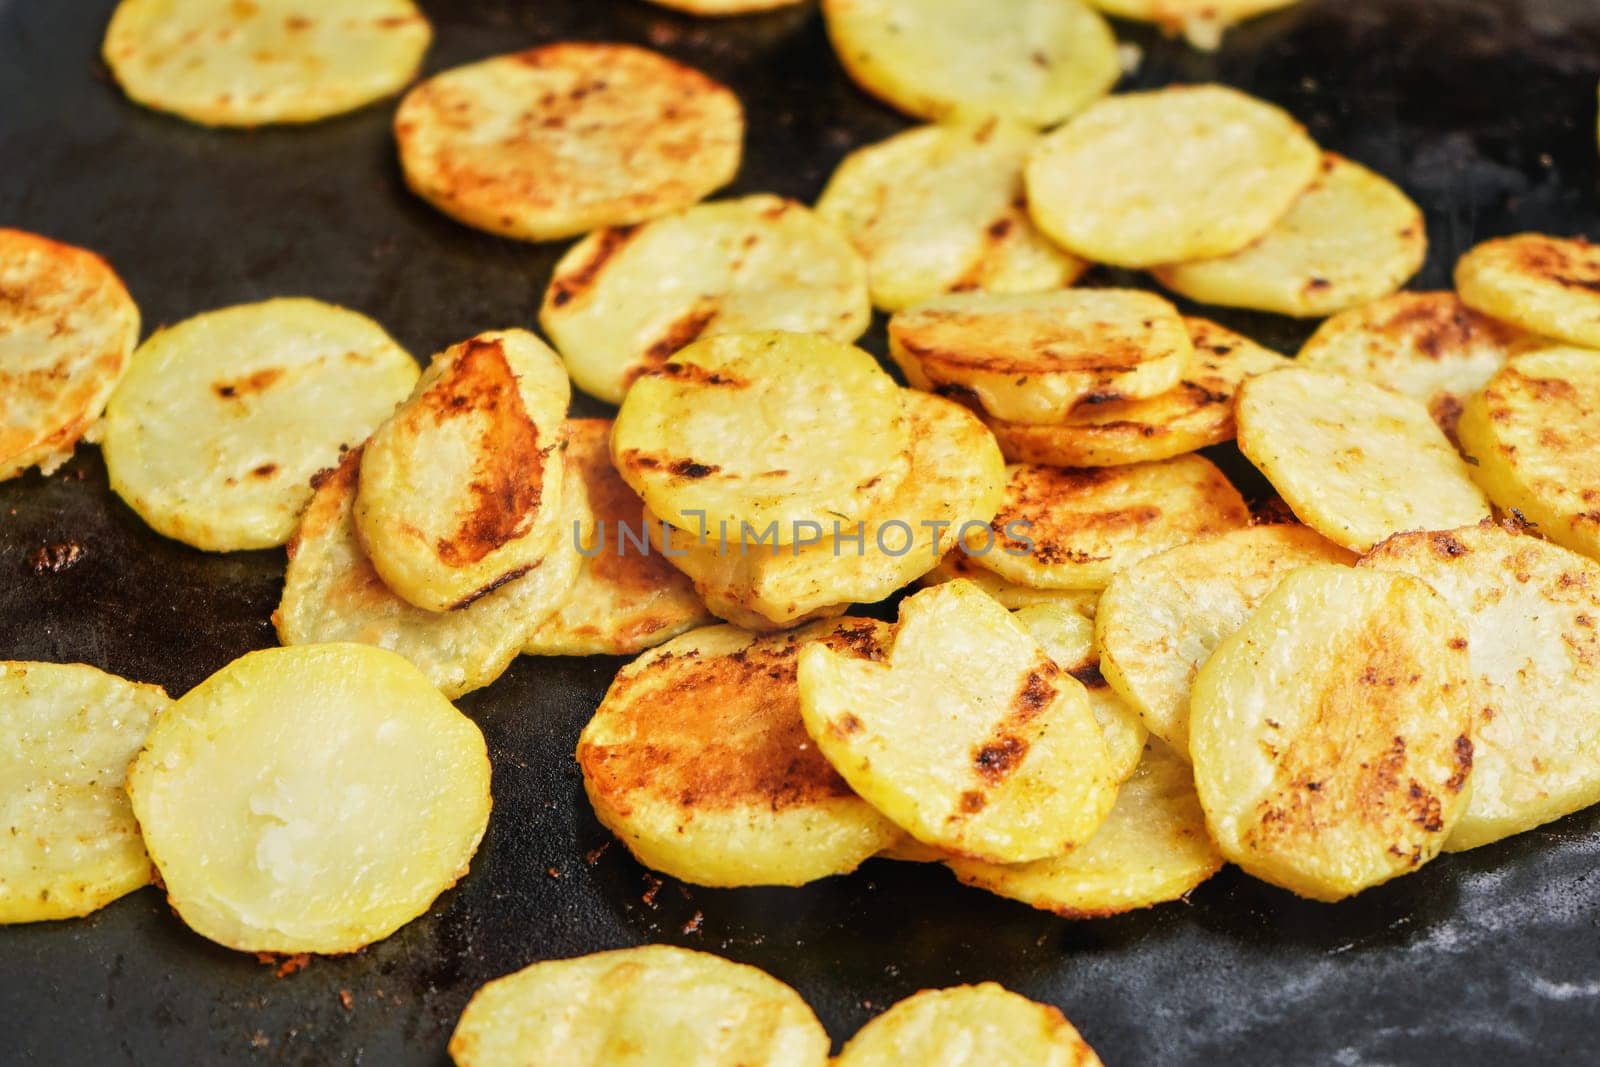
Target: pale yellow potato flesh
(625,299)
(650,1006)
(1543,284)
(310,799)
(957,564)
(1332,733)
(1353,460)
(221,420)
(67,331)
(965,1026)
(1530,609)
(67,735)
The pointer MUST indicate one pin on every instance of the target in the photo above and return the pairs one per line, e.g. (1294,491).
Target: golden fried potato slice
(331,592)
(220,422)
(1035,357)
(460,490)
(560,140)
(67,735)
(968,735)
(957,479)
(1035,61)
(939,209)
(1186,172)
(1354,461)
(255,62)
(310,799)
(1332,732)
(1074,528)
(626,599)
(973,1024)
(1534,432)
(698,760)
(1351,237)
(653,1005)
(624,299)
(1160,619)
(1152,848)
(1530,609)
(1201,22)
(1194,414)
(1429,346)
(1545,285)
(790,432)
(957,564)
(67,330)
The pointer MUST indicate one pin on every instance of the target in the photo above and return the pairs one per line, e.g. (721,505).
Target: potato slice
(973,1024)
(969,736)
(310,799)
(698,760)
(1035,61)
(1351,237)
(1152,848)
(221,420)
(1161,619)
(624,601)
(67,330)
(957,478)
(332,593)
(1186,172)
(653,1005)
(939,209)
(560,140)
(67,735)
(1545,285)
(1065,528)
(1533,432)
(1194,414)
(957,564)
(1201,22)
(460,490)
(624,299)
(1354,461)
(1332,732)
(257,62)
(1034,357)
(1530,609)
(787,431)
(1429,346)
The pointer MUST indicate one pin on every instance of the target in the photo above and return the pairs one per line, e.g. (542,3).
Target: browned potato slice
(1546,285)
(957,564)
(968,1025)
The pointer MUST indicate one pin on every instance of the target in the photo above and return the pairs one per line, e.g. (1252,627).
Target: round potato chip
(1160,620)
(1035,61)
(67,329)
(1186,172)
(1530,609)
(460,490)
(310,799)
(1354,461)
(67,735)
(1351,237)
(967,735)
(654,1005)
(957,564)
(1152,848)
(1534,432)
(625,299)
(560,140)
(1194,414)
(1429,346)
(1073,528)
(1037,357)
(697,759)
(254,62)
(963,1025)
(332,593)
(940,209)
(221,420)
(1332,732)
(787,432)
(1546,285)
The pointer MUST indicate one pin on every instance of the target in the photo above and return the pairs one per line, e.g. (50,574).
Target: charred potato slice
(972,1024)
(1545,285)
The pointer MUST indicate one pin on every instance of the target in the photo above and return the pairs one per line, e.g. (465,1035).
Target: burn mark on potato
(258,382)
(568,287)
(697,375)
(684,329)
(504,579)
(55,557)
(688,468)
(266,470)
(996,760)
